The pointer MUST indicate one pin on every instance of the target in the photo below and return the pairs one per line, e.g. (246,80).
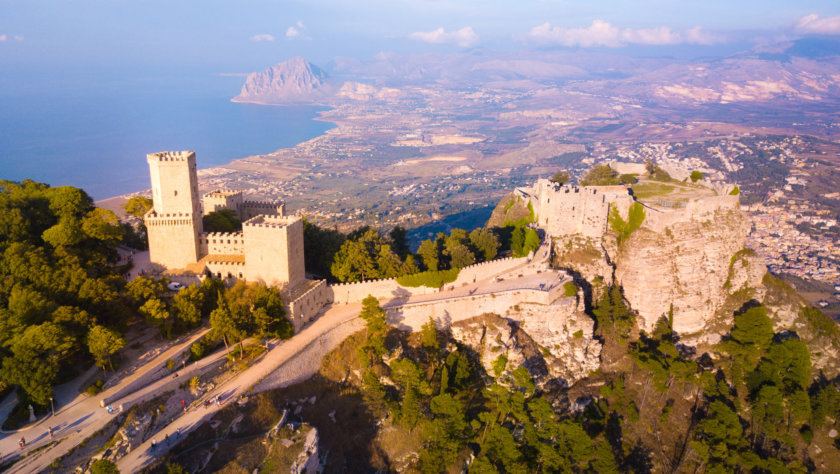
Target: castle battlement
(222,193)
(171,156)
(270,221)
(222,235)
(261,203)
(170,215)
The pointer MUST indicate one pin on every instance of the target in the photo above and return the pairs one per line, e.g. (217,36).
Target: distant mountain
(291,82)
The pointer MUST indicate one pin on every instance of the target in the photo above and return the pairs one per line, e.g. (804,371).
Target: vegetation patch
(570,289)
(635,217)
(648,190)
(431,279)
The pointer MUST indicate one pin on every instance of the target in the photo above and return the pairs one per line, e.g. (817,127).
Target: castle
(564,210)
(269,248)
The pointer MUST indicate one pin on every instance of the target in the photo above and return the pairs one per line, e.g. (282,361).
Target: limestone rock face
(292,81)
(554,342)
(567,335)
(686,265)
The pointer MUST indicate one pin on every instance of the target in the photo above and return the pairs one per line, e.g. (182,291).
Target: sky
(246,35)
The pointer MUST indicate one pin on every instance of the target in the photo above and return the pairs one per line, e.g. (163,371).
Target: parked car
(175,286)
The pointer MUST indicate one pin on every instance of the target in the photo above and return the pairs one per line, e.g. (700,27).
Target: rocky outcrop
(686,266)
(291,82)
(554,342)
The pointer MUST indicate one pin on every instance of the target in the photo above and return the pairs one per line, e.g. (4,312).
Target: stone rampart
(305,307)
(489,269)
(229,243)
(225,268)
(345,293)
(250,209)
(444,312)
(696,209)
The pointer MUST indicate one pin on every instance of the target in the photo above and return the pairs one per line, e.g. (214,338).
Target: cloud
(602,33)
(813,24)
(465,37)
(262,37)
(297,31)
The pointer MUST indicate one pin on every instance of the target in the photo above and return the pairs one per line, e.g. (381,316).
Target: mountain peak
(292,81)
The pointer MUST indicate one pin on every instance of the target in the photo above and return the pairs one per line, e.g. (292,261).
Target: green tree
(102,225)
(485,243)
(223,326)
(696,176)
(600,175)
(157,314)
(399,241)
(67,231)
(560,177)
(186,306)
(429,254)
(142,289)
(223,220)
(103,343)
(627,179)
(137,206)
(103,466)
(376,327)
(36,357)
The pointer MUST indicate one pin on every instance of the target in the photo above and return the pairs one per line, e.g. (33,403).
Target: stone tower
(274,250)
(174,223)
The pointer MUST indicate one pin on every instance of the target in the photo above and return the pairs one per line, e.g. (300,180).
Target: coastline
(114,203)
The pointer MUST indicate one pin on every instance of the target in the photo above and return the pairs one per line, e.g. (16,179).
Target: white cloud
(262,37)
(465,37)
(602,33)
(297,31)
(815,25)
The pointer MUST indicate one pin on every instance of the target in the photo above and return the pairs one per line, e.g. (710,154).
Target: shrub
(194,382)
(431,279)
(570,288)
(696,176)
(198,350)
(578,334)
(170,364)
(95,388)
(103,466)
(627,179)
(735,191)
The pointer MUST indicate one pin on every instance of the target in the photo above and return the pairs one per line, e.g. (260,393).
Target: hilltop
(295,81)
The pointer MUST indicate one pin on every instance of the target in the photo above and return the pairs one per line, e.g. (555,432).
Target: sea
(94,131)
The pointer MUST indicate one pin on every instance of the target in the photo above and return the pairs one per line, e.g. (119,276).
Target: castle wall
(483,270)
(250,209)
(345,293)
(695,209)
(173,240)
(223,268)
(305,307)
(446,311)
(218,200)
(226,243)
(274,250)
(565,210)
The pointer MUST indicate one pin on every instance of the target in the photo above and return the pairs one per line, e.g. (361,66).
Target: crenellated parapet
(172,156)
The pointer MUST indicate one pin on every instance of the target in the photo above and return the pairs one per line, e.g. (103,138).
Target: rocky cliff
(291,82)
(554,342)
(685,266)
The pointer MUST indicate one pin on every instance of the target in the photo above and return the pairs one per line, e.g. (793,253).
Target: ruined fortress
(680,259)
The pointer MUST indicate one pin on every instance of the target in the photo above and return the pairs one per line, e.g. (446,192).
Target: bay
(94,133)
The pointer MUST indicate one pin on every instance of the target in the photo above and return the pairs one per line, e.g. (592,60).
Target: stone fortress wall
(413,316)
(274,249)
(221,243)
(695,209)
(564,210)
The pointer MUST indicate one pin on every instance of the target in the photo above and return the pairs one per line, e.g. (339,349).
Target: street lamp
(52,407)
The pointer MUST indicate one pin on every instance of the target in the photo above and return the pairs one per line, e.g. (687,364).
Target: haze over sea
(94,131)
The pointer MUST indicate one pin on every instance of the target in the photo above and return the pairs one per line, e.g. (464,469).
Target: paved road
(81,417)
